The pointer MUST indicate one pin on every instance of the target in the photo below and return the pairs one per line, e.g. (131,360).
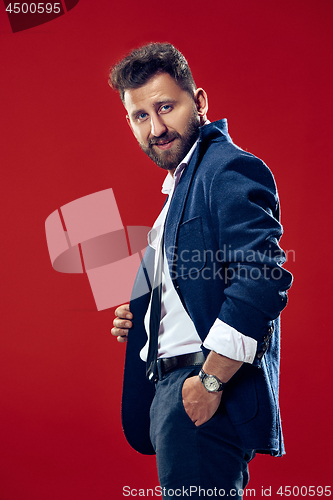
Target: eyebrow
(157,104)
(165,101)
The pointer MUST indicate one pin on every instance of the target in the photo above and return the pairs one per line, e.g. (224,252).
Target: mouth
(163,145)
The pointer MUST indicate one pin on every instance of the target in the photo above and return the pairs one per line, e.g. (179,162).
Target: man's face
(164,120)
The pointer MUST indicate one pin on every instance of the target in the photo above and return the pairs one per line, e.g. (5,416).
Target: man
(206,400)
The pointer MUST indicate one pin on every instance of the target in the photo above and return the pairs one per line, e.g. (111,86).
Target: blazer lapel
(214,131)
(177,205)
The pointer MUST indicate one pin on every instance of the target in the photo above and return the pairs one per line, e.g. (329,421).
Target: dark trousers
(207,461)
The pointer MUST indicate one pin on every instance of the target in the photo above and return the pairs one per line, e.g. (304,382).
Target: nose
(157,125)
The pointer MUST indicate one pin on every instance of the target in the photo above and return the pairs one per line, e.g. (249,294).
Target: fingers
(121,323)
(120,329)
(122,339)
(124,312)
(120,334)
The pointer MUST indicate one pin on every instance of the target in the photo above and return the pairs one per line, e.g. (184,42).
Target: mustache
(162,139)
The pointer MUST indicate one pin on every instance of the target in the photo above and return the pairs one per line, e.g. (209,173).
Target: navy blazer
(221,241)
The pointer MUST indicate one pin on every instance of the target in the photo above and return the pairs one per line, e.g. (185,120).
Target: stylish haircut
(143,63)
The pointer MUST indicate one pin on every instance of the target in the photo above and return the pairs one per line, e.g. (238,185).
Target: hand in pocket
(199,404)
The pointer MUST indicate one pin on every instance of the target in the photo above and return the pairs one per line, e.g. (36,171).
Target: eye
(165,108)
(141,117)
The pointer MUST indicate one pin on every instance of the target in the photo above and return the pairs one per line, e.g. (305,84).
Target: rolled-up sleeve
(227,341)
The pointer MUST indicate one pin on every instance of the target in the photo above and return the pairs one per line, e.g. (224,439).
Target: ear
(201,102)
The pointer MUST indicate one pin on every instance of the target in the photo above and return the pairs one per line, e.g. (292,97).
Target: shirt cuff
(228,342)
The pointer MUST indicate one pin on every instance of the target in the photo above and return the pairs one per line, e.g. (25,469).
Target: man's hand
(199,404)
(121,323)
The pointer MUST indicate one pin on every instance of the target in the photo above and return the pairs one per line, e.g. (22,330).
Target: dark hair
(143,63)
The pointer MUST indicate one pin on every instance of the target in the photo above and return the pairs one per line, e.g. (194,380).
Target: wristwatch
(210,382)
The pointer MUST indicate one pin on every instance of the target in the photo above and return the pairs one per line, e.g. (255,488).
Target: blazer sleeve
(244,207)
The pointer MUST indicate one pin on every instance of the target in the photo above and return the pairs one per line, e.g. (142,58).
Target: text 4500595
(304,491)
(34,8)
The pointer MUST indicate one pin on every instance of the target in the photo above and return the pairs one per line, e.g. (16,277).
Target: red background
(267,67)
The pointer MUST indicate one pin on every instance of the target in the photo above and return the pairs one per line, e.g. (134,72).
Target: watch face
(210,383)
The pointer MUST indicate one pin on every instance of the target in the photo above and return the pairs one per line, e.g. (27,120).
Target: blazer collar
(215,131)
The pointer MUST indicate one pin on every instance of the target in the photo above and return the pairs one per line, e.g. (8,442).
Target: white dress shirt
(177,333)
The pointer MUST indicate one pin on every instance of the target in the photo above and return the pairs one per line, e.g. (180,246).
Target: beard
(170,158)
